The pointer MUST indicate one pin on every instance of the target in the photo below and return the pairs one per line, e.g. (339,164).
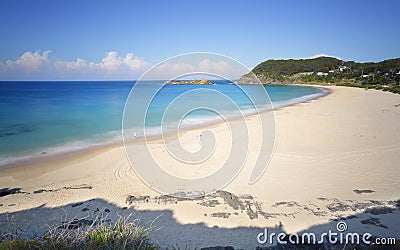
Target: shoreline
(56,157)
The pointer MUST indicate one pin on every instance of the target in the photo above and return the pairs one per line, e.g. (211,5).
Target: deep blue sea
(43,118)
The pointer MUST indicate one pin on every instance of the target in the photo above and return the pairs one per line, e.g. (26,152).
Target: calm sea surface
(45,118)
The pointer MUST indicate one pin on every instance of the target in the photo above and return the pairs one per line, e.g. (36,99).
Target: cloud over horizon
(43,66)
(40,66)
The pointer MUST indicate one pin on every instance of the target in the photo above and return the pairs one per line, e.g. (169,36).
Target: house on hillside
(343,68)
(306,73)
(322,74)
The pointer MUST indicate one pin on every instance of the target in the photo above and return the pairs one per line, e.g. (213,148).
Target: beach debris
(106,210)
(246,196)
(130,199)
(373,221)
(339,207)
(221,215)
(363,205)
(363,191)
(75,223)
(395,203)
(286,203)
(8,191)
(76,204)
(231,199)
(319,213)
(252,214)
(39,191)
(377,202)
(73,187)
(209,203)
(80,186)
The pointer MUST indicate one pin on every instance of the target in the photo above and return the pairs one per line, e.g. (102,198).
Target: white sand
(325,149)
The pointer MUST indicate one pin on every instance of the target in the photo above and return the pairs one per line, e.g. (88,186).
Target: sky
(74,39)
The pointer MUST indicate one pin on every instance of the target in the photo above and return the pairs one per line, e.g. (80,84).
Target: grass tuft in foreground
(123,234)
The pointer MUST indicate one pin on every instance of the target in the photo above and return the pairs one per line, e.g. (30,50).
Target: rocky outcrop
(198,82)
(251,78)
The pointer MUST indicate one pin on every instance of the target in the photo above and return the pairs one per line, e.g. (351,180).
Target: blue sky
(138,34)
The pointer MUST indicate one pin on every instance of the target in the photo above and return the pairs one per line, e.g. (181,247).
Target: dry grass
(124,233)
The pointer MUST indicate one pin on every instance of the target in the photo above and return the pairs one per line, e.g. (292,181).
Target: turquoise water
(45,118)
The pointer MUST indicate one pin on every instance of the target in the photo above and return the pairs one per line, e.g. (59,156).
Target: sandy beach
(336,158)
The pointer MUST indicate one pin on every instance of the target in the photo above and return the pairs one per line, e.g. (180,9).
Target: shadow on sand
(169,232)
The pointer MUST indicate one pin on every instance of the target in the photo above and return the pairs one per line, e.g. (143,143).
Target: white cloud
(32,61)
(111,62)
(207,65)
(36,65)
(135,63)
(41,65)
(322,55)
(28,61)
(78,64)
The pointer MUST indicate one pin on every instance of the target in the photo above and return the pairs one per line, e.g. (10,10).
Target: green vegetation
(120,235)
(290,67)
(385,74)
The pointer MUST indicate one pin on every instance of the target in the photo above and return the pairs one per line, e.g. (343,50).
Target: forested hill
(327,69)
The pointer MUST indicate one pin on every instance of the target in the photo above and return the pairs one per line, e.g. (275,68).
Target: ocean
(44,118)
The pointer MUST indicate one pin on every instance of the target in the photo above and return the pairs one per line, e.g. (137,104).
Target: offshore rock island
(182,82)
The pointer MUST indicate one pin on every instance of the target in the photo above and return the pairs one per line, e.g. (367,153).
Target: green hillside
(327,70)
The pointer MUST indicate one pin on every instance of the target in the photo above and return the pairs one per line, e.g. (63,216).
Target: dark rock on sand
(82,186)
(130,199)
(231,199)
(8,191)
(39,191)
(339,206)
(77,204)
(75,223)
(395,203)
(363,191)
(209,203)
(221,215)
